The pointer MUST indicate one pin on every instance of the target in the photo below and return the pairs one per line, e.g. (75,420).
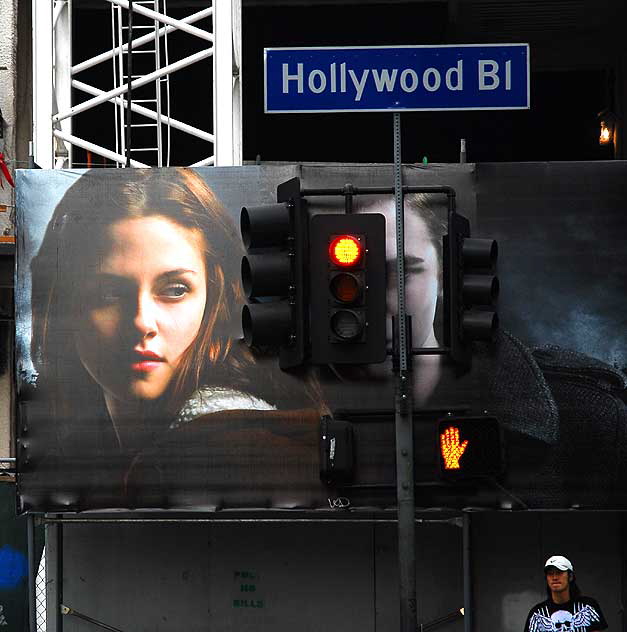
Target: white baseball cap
(560,562)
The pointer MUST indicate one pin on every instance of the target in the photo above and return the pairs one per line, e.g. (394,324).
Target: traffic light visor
(345,251)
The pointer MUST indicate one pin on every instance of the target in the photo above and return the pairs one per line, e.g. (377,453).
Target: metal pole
(32,574)
(403,418)
(468,622)
(59,581)
(54,576)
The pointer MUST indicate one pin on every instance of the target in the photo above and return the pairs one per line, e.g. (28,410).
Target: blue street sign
(397,78)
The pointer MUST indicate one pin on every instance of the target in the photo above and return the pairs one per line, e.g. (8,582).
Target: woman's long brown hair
(72,246)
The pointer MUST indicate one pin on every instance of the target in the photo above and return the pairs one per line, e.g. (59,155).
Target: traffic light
(275,237)
(347,282)
(470,289)
(469,447)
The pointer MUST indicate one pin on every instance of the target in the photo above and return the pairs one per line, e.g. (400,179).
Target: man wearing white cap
(565,609)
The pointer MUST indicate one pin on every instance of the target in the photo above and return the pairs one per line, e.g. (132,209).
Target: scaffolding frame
(54,78)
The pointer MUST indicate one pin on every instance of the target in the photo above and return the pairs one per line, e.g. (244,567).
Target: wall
(8,60)
(509,555)
(253,578)
(8,46)
(315,577)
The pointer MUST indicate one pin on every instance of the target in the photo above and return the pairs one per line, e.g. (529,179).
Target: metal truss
(55,80)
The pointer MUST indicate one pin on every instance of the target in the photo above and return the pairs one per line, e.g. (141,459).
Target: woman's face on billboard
(142,307)
(421,271)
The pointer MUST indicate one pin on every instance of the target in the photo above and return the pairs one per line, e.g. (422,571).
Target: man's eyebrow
(408,259)
(413,259)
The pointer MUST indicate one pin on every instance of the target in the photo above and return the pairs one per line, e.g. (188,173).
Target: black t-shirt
(582,614)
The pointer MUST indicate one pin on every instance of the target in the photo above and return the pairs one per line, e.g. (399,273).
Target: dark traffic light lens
(346,324)
(346,288)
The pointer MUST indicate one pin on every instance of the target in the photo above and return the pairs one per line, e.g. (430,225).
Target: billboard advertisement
(136,390)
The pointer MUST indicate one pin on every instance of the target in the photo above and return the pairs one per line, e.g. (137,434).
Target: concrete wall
(8,58)
(8,75)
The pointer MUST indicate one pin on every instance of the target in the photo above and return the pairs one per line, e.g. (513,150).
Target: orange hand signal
(451,448)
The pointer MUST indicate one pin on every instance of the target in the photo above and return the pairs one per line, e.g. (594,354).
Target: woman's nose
(146,316)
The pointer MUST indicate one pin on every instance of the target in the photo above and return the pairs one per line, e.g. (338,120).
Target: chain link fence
(40,594)
(7,473)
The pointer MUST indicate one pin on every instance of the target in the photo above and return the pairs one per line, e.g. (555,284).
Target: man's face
(421,270)
(557,580)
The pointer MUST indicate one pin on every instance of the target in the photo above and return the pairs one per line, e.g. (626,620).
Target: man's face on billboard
(421,270)
(143,306)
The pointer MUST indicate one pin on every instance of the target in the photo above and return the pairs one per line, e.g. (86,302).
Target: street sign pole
(394,79)
(403,417)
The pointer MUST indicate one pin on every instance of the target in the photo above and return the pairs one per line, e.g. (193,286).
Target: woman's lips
(145,361)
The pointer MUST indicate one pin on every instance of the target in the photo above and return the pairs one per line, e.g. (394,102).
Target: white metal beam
(52,80)
(205,162)
(140,41)
(42,83)
(106,96)
(96,149)
(226,93)
(165,19)
(140,109)
(62,20)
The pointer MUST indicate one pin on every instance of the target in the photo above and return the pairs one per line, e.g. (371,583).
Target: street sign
(396,78)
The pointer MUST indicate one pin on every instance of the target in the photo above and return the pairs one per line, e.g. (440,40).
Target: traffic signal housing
(347,283)
(273,280)
(469,448)
(471,289)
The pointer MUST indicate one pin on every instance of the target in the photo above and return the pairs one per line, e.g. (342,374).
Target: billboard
(136,391)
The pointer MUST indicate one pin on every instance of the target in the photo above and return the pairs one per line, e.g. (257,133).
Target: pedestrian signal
(469,447)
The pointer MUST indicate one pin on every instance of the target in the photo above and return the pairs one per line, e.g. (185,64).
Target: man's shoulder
(581,600)
(539,606)
(587,601)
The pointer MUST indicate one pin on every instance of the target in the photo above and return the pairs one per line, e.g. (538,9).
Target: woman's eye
(107,294)
(175,290)
(110,296)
